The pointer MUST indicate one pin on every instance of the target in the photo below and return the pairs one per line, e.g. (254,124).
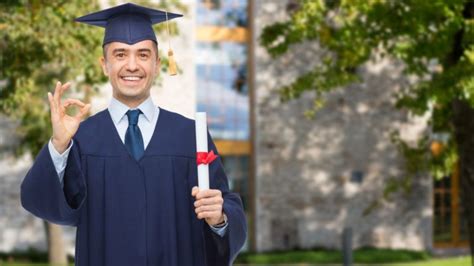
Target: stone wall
(315,177)
(19,230)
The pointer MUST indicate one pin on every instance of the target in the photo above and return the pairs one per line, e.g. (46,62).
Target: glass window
(450,228)
(222,89)
(236,170)
(442,210)
(222,84)
(223,13)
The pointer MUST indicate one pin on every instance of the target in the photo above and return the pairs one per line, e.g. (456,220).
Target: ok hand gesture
(64,125)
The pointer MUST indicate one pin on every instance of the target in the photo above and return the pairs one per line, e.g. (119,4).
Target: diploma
(202,150)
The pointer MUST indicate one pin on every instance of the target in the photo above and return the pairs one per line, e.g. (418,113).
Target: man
(127,176)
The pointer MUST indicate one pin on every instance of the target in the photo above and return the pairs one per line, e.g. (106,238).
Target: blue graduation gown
(130,212)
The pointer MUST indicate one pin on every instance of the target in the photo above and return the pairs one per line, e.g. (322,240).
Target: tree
(40,44)
(434,40)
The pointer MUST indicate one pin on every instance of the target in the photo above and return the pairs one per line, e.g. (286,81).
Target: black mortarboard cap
(128,23)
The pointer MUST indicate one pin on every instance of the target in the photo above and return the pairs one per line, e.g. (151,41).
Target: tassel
(172,68)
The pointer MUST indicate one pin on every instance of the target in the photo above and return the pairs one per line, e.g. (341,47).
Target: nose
(132,64)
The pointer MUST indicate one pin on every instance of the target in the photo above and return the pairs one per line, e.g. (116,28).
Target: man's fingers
(51,103)
(84,108)
(59,90)
(83,111)
(208,193)
(76,102)
(194,191)
(66,103)
(209,214)
(208,201)
(207,208)
(65,86)
(57,94)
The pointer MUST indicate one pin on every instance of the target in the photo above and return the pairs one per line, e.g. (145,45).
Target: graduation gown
(130,212)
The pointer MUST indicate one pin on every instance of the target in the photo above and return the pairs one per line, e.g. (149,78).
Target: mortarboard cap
(128,23)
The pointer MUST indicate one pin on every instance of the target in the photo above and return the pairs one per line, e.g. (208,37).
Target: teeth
(131,78)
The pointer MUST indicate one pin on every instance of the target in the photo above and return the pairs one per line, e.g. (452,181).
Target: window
(449,225)
(222,85)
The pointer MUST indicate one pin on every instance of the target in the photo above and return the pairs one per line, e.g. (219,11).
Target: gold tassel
(172,68)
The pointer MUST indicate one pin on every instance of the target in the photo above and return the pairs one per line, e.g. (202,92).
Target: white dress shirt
(118,111)
(146,121)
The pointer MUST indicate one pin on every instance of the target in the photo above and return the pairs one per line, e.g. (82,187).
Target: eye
(120,55)
(143,56)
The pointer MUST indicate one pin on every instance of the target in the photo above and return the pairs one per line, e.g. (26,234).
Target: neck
(131,102)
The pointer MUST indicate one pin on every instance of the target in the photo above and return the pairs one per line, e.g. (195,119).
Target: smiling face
(131,70)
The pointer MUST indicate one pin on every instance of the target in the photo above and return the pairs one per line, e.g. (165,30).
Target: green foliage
(40,44)
(30,255)
(434,40)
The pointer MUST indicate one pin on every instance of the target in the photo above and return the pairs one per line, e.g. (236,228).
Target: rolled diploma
(201,146)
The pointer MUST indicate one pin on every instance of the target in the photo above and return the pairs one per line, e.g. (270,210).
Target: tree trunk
(463,122)
(56,251)
(463,115)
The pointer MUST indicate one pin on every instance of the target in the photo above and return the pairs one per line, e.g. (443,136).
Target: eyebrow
(118,50)
(144,50)
(124,50)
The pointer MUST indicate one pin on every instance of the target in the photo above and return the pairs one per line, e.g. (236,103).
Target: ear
(158,65)
(103,64)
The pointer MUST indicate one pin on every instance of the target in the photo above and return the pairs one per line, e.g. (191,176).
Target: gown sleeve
(223,250)
(43,195)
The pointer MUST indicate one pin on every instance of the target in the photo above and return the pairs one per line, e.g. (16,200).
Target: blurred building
(302,181)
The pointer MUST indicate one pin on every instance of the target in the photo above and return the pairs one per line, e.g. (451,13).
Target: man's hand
(208,205)
(64,126)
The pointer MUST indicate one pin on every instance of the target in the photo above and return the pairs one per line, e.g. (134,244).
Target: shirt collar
(118,110)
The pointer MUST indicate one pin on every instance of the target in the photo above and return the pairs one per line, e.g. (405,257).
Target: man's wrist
(223,223)
(60,147)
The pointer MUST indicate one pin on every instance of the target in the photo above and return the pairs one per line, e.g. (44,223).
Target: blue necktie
(133,137)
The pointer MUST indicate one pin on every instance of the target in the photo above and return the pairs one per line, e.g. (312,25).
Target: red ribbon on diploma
(205,157)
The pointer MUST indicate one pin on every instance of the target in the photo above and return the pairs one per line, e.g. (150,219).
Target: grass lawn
(364,256)
(459,261)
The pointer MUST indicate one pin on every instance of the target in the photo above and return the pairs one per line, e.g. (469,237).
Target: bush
(30,255)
